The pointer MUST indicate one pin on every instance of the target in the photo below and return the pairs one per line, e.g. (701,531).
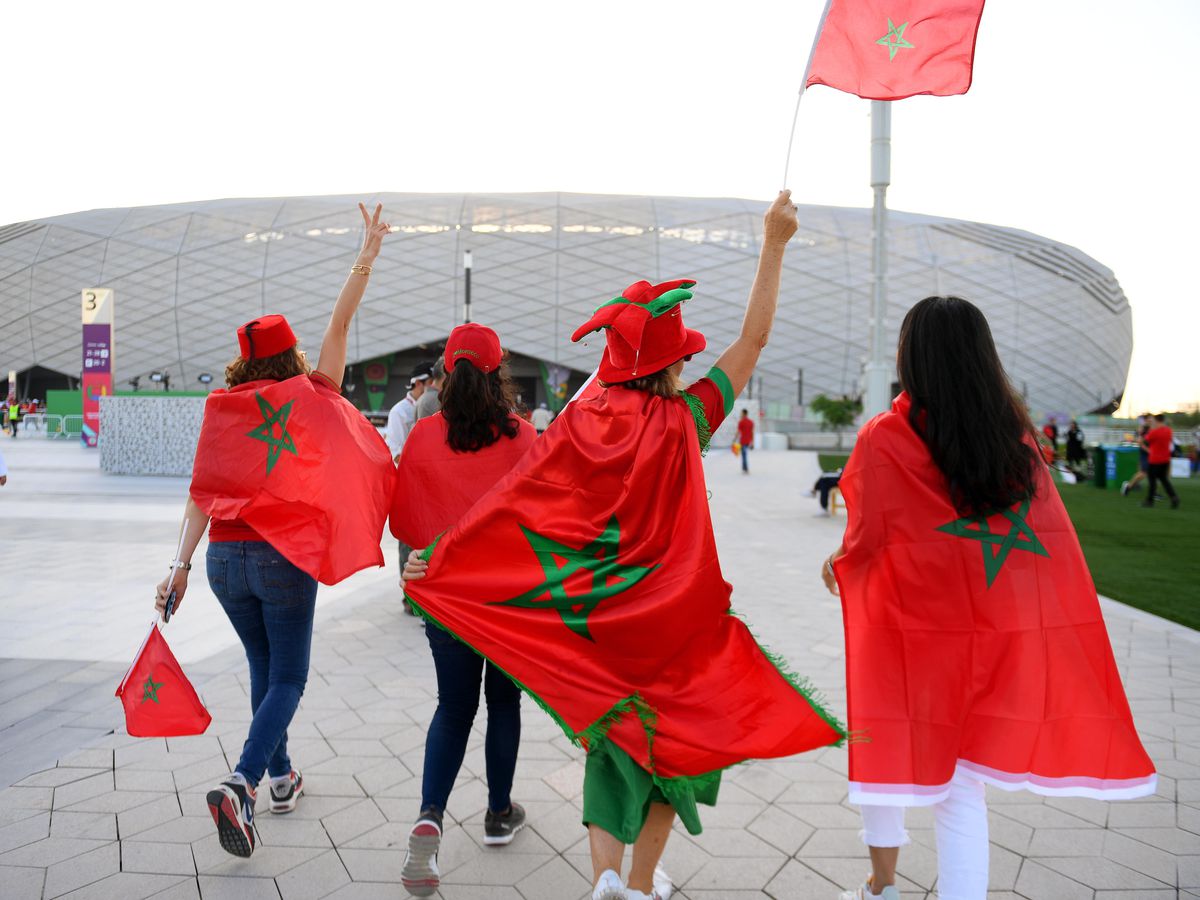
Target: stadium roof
(187,274)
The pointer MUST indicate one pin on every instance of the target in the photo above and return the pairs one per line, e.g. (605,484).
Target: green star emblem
(561,563)
(997,546)
(266,431)
(150,689)
(894,39)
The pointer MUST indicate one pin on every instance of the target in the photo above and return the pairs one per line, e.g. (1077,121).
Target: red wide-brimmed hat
(645,331)
(475,343)
(265,336)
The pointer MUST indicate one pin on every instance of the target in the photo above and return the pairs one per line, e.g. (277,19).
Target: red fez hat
(265,336)
(645,332)
(475,343)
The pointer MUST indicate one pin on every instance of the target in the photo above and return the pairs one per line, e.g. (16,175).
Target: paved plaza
(94,813)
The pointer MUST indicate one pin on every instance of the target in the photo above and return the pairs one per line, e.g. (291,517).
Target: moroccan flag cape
(435,485)
(973,643)
(159,701)
(891,49)
(590,576)
(301,466)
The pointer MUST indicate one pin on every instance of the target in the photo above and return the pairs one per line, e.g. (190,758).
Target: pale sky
(1080,125)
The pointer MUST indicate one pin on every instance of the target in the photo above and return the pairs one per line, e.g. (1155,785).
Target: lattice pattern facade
(186,275)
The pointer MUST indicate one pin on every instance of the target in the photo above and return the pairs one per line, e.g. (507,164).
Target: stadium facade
(187,274)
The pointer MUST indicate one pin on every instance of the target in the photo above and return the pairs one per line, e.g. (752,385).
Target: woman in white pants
(975,649)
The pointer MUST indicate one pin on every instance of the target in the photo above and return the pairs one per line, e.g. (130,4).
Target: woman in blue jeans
(270,602)
(450,460)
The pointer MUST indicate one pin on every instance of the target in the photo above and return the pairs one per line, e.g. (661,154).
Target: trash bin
(1120,464)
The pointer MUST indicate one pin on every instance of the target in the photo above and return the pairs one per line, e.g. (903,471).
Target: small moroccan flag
(159,701)
(891,49)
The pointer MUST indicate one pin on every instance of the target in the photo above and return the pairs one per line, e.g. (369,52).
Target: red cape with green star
(972,643)
(301,466)
(590,576)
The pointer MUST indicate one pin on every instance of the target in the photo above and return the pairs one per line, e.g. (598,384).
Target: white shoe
(663,886)
(864,893)
(609,887)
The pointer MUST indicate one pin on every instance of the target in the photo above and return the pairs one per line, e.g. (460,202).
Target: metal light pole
(467,285)
(878,384)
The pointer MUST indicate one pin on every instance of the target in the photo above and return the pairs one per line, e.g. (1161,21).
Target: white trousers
(961,826)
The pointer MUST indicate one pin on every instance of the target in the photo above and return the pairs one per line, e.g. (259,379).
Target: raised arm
(739,360)
(332,361)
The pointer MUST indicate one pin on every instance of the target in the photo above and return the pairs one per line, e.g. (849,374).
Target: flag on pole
(891,49)
(159,700)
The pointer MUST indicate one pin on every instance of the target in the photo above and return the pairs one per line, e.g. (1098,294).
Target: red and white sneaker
(420,875)
(231,804)
(286,791)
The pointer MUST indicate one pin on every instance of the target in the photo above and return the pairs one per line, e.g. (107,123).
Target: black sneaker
(500,828)
(285,792)
(1174,503)
(231,804)
(420,875)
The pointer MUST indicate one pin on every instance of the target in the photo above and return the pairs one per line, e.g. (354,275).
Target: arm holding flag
(194,524)
(739,360)
(332,362)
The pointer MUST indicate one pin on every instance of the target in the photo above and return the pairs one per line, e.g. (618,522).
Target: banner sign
(97,380)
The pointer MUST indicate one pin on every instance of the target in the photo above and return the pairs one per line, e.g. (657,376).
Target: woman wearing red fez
(975,649)
(590,576)
(280,518)
(449,461)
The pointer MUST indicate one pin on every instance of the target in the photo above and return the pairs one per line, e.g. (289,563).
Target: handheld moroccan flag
(891,49)
(159,700)
(301,466)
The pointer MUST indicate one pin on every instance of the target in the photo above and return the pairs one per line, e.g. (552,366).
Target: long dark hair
(963,406)
(478,407)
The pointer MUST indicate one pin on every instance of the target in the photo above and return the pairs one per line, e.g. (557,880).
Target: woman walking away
(590,576)
(296,483)
(975,649)
(449,461)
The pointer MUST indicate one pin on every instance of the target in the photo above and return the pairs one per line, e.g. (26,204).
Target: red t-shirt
(226,530)
(1158,440)
(715,394)
(745,427)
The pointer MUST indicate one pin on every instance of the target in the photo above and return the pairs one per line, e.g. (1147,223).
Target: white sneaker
(420,875)
(609,887)
(864,893)
(663,886)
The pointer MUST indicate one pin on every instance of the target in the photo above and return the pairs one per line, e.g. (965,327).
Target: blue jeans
(745,458)
(458,673)
(270,604)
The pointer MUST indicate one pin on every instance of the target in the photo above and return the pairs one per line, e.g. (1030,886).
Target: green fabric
(617,793)
(721,380)
(658,305)
(703,431)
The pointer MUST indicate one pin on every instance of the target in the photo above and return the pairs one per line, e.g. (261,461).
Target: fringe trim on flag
(803,686)
(702,430)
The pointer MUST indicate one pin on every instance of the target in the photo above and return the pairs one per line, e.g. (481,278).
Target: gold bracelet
(360,270)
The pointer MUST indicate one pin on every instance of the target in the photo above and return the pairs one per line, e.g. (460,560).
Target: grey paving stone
(316,878)
(84,869)
(24,831)
(49,851)
(67,823)
(157,857)
(22,883)
(553,881)
(219,887)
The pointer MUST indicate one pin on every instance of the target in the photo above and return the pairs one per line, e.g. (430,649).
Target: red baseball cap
(644,330)
(475,343)
(265,336)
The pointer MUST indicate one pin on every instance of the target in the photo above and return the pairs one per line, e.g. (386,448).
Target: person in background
(403,414)
(1076,453)
(430,401)
(745,428)
(541,418)
(14,416)
(450,460)
(826,483)
(1143,457)
(967,664)
(1158,441)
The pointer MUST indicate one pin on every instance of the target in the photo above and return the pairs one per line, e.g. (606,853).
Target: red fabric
(159,700)
(435,485)
(849,57)
(706,391)
(1016,679)
(265,336)
(1159,440)
(223,531)
(318,491)
(616,492)
(745,427)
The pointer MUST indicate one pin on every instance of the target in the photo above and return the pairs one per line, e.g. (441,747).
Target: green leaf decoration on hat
(626,316)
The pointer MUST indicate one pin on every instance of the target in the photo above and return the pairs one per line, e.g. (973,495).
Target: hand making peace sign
(374,232)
